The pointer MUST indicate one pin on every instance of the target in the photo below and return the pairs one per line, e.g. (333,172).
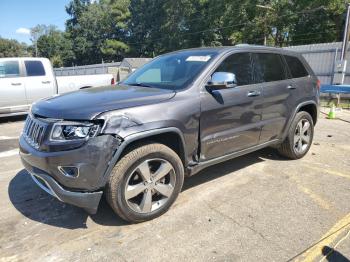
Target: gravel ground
(258,207)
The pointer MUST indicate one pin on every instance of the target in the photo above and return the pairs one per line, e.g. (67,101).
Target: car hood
(85,104)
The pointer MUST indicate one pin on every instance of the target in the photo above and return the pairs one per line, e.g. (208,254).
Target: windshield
(172,71)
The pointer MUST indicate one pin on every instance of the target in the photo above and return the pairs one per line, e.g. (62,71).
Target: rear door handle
(253,93)
(16,84)
(291,87)
(46,82)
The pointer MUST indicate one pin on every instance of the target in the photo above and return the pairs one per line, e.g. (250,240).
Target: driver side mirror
(222,80)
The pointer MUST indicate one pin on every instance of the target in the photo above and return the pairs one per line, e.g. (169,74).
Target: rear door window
(34,68)
(296,67)
(9,69)
(240,65)
(268,67)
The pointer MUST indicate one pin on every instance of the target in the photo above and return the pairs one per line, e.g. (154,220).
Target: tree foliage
(157,26)
(108,30)
(98,29)
(12,48)
(57,46)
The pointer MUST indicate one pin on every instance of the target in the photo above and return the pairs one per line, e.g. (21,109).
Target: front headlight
(63,131)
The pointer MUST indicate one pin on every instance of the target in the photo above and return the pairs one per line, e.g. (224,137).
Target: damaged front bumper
(87,200)
(84,188)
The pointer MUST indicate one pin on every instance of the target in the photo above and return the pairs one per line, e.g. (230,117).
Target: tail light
(112,81)
(318,84)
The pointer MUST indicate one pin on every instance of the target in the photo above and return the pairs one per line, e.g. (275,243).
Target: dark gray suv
(176,115)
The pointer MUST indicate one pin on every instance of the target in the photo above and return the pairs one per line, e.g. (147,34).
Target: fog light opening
(69,171)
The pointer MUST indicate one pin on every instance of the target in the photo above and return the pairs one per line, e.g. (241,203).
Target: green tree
(56,46)
(12,48)
(144,26)
(295,22)
(112,29)
(98,30)
(113,48)
(324,24)
(163,25)
(37,31)
(158,26)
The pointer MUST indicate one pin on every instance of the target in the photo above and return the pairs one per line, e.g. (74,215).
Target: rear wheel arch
(300,133)
(307,106)
(310,108)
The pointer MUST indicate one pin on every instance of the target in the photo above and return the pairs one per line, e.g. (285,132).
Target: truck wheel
(300,135)
(145,182)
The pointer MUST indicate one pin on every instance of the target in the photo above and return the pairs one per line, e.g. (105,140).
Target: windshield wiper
(139,84)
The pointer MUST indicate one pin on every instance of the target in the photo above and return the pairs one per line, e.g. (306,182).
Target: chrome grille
(33,131)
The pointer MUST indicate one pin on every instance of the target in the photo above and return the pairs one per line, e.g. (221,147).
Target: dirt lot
(258,207)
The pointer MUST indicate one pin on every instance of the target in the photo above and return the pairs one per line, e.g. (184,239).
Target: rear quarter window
(296,67)
(268,67)
(34,68)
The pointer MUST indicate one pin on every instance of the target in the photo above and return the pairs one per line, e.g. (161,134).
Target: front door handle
(290,87)
(46,82)
(16,84)
(253,93)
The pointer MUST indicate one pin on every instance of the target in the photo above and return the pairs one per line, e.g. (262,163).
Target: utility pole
(267,8)
(344,48)
(340,66)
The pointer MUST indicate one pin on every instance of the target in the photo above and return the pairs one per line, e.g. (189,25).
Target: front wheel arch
(171,139)
(118,182)
(156,135)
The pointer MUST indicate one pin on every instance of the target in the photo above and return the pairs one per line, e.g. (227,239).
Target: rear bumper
(87,200)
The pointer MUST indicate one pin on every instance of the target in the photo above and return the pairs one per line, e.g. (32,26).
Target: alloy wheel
(302,136)
(150,185)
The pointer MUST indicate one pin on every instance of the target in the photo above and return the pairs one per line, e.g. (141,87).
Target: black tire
(288,147)
(125,168)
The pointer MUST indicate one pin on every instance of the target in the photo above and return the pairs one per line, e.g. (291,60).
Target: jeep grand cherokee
(178,114)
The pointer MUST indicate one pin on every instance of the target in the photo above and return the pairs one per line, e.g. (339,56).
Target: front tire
(300,136)
(145,182)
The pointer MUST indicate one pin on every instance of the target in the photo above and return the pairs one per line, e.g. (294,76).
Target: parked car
(180,113)
(25,80)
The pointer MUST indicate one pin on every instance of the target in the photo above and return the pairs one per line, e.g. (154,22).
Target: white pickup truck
(26,80)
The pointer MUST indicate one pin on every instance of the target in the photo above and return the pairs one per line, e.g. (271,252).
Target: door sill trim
(202,165)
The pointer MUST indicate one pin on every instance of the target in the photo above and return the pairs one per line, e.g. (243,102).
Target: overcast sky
(18,16)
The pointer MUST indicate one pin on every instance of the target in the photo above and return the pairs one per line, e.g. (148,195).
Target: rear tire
(145,182)
(299,138)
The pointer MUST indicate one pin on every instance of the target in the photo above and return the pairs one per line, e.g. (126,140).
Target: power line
(308,12)
(297,35)
(187,21)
